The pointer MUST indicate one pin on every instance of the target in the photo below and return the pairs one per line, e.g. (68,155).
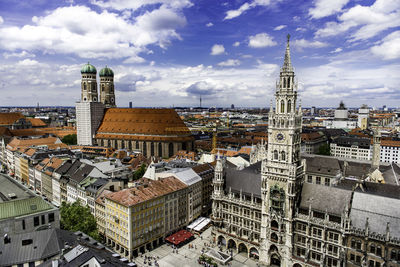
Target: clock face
(280,137)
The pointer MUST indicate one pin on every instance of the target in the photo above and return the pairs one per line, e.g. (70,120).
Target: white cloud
(324,8)
(261,40)
(217,49)
(133,5)
(280,27)
(230,14)
(1,20)
(300,29)
(28,62)
(81,31)
(337,50)
(210,24)
(389,48)
(236,44)
(229,63)
(368,21)
(20,54)
(303,43)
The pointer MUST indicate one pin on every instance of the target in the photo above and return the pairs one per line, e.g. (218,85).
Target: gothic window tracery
(283,155)
(289,106)
(282,106)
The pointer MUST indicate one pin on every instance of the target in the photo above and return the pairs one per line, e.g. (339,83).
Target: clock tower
(282,170)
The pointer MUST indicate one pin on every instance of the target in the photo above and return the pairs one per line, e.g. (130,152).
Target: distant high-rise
(130,104)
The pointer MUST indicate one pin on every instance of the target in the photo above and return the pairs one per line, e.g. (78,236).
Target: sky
(168,53)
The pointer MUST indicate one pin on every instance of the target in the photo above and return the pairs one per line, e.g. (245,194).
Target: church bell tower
(282,171)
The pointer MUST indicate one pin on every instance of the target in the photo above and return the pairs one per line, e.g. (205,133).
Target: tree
(75,217)
(139,172)
(324,150)
(70,139)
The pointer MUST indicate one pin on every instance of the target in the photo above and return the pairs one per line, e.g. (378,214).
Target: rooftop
(146,190)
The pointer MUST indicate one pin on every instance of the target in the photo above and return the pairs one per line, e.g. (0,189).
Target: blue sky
(169,52)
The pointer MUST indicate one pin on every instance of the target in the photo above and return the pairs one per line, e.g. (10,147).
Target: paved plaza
(187,257)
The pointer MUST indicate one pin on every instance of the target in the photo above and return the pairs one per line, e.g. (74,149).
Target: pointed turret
(287,64)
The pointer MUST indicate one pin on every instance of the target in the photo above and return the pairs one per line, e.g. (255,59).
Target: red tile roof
(142,121)
(10,118)
(148,189)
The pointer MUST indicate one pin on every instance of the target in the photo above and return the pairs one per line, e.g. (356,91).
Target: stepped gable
(152,124)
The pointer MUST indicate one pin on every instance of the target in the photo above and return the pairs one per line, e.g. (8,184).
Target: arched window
(289,82)
(274,237)
(275,154)
(102,87)
(152,148)
(284,82)
(84,86)
(283,155)
(282,106)
(289,106)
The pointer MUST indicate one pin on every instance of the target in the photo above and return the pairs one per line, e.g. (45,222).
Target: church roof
(148,122)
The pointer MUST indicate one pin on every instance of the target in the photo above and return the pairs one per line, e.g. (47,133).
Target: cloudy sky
(169,52)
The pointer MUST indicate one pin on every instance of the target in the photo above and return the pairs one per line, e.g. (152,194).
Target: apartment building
(136,217)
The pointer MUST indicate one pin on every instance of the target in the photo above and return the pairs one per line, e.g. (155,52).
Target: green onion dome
(88,68)
(106,72)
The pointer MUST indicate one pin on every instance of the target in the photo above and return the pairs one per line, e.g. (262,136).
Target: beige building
(136,218)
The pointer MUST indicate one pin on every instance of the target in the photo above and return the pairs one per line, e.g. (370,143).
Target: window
(275,154)
(43,219)
(36,221)
(283,155)
(332,262)
(316,244)
(327,181)
(317,232)
(282,106)
(51,217)
(356,244)
(289,106)
(26,242)
(301,227)
(309,179)
(23,224)
(318,180)
(315,256)
(300,251)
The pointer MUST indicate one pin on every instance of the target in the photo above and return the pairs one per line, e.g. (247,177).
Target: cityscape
(200,133)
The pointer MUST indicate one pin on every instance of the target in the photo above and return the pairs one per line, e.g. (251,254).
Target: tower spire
(287,64)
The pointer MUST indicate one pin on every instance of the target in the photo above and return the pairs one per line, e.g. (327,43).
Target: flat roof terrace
(8,186)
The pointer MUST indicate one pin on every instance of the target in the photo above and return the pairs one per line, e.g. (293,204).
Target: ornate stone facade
(268,211)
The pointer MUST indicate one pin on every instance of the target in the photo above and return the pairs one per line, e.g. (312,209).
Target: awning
(179,237)
(202,225)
